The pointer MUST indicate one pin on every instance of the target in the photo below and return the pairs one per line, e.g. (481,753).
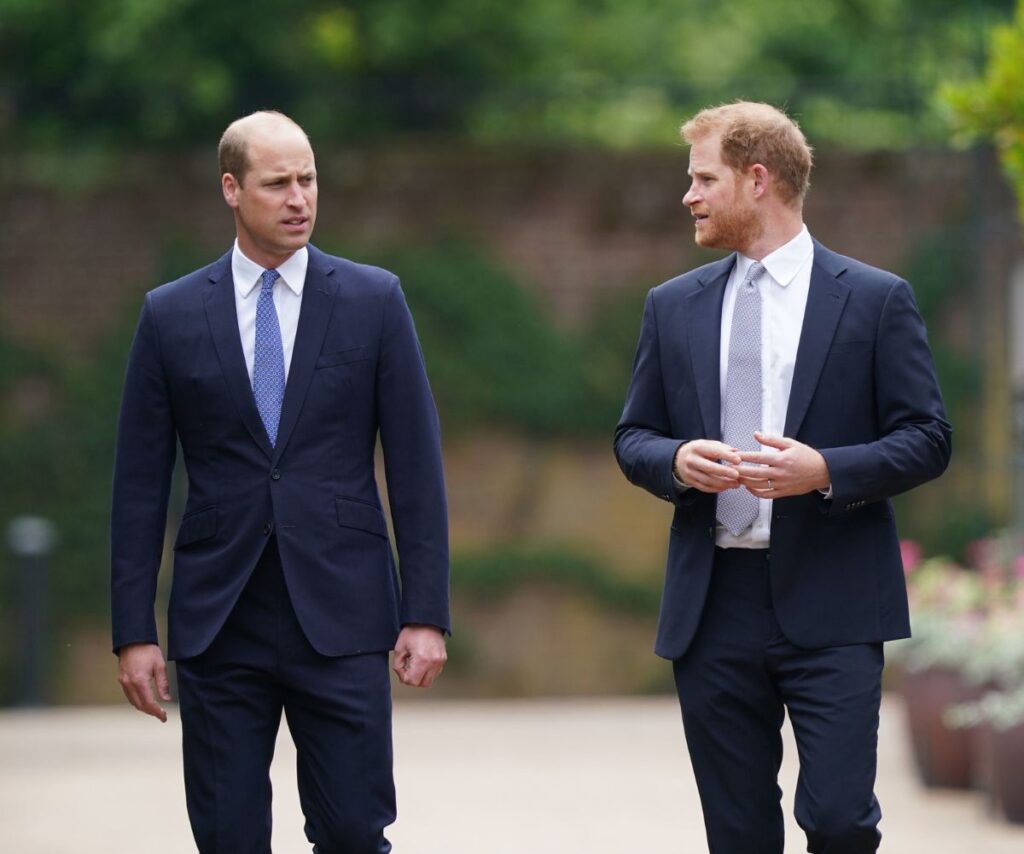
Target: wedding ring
(770,487)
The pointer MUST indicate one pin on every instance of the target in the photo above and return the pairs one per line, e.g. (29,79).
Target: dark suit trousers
(736,682)
(338,712)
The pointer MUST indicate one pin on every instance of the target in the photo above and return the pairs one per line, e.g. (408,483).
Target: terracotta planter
(1008,772)
(982,761)
(943,755)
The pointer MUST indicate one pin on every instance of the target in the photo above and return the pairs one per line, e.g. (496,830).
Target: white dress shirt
(287,301)
(784,291)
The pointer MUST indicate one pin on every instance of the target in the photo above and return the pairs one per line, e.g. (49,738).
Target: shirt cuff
(826,493)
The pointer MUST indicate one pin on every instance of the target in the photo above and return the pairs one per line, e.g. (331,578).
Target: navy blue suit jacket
(356,372)
(864,394)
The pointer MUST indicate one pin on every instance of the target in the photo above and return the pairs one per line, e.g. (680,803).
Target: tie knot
(268,278)
(754,273)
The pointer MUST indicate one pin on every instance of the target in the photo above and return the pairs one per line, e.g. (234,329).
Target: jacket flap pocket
(342,357)
(197,526)
(360,515)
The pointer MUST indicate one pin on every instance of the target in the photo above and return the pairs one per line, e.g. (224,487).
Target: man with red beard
(779,398)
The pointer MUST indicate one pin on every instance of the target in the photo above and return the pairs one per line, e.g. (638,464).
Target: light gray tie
(737,508)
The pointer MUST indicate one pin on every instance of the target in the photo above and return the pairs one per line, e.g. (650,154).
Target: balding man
(277,368)
(780,397)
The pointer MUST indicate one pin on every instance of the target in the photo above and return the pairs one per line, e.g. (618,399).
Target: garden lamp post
(31,540)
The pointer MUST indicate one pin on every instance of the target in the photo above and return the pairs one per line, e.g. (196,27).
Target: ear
(230,187)
(761,177)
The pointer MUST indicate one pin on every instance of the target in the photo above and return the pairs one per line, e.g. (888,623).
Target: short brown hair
(233,150)
(752,133)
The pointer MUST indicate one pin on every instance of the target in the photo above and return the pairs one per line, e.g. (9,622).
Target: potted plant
(1005,711)
(997,659)
(947,614)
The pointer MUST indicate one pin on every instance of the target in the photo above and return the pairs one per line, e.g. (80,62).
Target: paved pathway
(509,777)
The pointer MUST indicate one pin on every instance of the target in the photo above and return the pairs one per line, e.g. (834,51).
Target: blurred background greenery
(519,166)
(116,73)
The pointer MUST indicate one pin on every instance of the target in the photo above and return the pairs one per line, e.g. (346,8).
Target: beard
(732,228)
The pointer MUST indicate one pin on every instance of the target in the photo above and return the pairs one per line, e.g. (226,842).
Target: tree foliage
(992,105)
(121,73)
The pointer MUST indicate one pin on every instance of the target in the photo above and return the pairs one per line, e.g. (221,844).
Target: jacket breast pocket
(197,526)
(342,357)
(848,366)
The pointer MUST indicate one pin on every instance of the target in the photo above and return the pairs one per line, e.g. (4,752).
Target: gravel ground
(598,776)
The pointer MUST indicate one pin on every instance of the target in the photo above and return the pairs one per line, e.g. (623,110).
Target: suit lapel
(704,332)
(223,320)
(825,302)
(314,316)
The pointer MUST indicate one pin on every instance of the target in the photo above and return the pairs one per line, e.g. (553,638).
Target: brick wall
(574,225)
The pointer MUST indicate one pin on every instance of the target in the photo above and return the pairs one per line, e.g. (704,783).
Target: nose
(690,197)
(295,196)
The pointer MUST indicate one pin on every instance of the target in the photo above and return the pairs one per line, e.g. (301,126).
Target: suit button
(275,474)
(267,529)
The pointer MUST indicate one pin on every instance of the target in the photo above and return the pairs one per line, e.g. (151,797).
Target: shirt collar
(785,262)
(247,273)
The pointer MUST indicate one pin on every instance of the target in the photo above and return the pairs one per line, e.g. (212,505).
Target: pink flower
(911,552)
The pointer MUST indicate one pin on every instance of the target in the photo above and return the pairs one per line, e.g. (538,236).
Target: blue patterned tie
(268,363)
(737,508)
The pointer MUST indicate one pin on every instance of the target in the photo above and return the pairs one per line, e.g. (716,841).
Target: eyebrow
(277,176)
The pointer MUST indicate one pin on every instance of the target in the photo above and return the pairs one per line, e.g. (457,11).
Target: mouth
(699,219)
(295,223)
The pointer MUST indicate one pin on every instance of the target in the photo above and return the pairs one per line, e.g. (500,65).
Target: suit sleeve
(411,440)
(914,443)
(144,462)
(644,445)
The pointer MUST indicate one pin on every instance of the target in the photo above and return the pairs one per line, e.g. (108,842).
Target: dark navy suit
(282,564)
(865,395)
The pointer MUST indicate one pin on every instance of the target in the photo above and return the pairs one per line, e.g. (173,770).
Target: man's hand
(707,465)
(140,666)
(419,655)
(791,469)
